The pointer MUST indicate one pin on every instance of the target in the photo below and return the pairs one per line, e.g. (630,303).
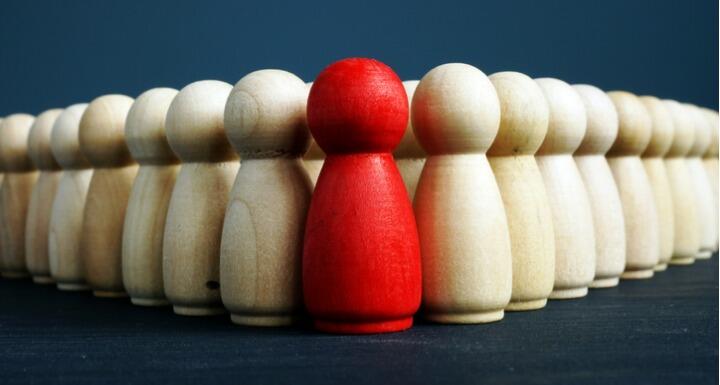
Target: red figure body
(361,262)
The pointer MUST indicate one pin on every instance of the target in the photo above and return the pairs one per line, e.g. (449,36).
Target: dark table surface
(663,330)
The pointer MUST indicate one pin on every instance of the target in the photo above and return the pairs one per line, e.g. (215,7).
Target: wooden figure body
(607,212)
(66,218)
(314,157)
(361,255)
(523,125)
(464,236)
(102,141)
(701,184)
(569,202)
(686,238)
(653,159)
(409,156)
(710,162)
(41,200)
(17,185)
(191,244)
(144,224)
(636,194)
(262,241)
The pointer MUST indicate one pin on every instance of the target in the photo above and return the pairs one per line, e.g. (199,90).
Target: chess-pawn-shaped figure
(569,201)
(314,157)
(193,229)
(686,238)
(17,186)
(102,141)
(464,236)
(523,124)
(149,198)
(710,162)
(40,207)
(409,156)
(66,218)
(607,213)
(636,194)
(701,184)
(262,240)
(653,159)
(361,254)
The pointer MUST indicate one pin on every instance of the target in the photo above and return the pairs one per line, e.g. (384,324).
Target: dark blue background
(55,53)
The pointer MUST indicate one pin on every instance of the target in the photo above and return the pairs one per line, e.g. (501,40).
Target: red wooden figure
(361,261)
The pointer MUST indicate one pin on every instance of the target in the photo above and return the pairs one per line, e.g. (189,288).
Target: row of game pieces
(523,190)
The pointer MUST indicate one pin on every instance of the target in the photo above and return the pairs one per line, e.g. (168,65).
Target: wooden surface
(660,331)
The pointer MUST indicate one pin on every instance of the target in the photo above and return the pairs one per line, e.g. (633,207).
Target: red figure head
(357,105)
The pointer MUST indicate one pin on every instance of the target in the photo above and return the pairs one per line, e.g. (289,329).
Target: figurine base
(682,261)
(149,301)
(109,294)
(638,274)
(604,283)
(14,274)
(569,293)
(526,305)
(198,311)
(339,327)
(266,320)
(466,318)
(64,286)
(703,254)
(661,267)
(43,279)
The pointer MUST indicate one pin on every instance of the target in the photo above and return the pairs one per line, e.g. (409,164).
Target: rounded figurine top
(357,105)
(712,119)
(265,115)
(65,141)
(39,140)
(634,124)
(524,114)
(455,110)
(567,124)
(662,131)
(14,132)
(602,120)
(145,127)
(102,131)
(684,129)
(194,123)
(702,130)
(409,146)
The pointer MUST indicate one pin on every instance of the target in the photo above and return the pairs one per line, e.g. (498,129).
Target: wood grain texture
(65,227)
(701,183)
(262,240)
(464,236)
(523,124)
(360,226)
(41,199)
(409,155)
(193,229)
(661,138)
(607,212)
(710,162)
(686,239)
(102,142)
(144,224)
(636,194)
(18,182)
(568,198)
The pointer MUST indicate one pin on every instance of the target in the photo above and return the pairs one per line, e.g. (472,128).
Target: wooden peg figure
(653,159)
(409,156)
(102,141)
(710,162)
(464,236)
(523,124)
(262,241)
(568,197)
(361,255)
(17,185)
(636,195)
(191,244)
(149,198)
(608,222)
(686,232)
(66,218)
(41,200)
